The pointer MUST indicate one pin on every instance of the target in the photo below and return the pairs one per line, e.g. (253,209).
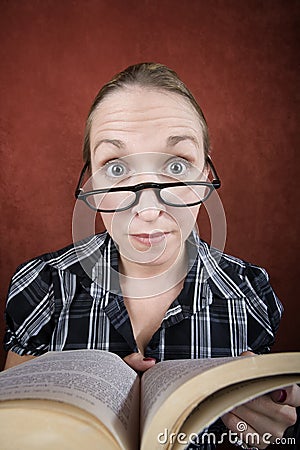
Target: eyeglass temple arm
(216,181)
(82,173)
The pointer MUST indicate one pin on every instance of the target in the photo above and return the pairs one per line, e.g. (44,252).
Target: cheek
(185,219)
(116,224)
(107,220)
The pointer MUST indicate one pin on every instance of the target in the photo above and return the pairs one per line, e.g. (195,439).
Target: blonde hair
(150,75)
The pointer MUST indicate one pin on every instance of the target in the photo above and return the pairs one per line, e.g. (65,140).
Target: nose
(148,207)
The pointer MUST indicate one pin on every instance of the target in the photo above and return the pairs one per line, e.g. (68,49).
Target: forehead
(136,114)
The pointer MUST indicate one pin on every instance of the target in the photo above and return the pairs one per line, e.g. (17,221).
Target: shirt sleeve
(29,309)
(264,309)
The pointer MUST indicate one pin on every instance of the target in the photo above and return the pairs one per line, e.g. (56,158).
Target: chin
(154,256)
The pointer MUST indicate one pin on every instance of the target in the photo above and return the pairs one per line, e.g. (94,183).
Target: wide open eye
(116,169)
(177,167)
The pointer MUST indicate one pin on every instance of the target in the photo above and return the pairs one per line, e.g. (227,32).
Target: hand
(138,362)
(265,418)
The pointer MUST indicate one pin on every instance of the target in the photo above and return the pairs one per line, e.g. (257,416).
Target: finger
(244,431)
(138,362)
(289,395)
(247,353)
(265,416)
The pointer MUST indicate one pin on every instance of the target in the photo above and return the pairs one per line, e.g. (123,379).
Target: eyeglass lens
(175,195)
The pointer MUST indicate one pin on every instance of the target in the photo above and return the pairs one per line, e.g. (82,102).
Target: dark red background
(239,58)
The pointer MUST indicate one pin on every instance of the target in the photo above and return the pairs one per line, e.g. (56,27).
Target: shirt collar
(210,275)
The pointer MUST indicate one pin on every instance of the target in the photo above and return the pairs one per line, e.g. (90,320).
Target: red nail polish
(149,359)
(282,396)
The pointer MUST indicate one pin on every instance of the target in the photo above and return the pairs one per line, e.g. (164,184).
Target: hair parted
(149,75)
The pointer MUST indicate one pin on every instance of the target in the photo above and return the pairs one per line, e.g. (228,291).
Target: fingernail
(149,359)
(282,396)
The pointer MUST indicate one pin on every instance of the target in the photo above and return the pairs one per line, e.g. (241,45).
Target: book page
(98,382)
(217,404)
(165,377)
(172,389)
(51,425)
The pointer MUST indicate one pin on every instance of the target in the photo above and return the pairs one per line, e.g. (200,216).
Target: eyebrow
(173,140)
(116,142)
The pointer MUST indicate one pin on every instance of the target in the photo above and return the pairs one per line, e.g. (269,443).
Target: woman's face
(142,135)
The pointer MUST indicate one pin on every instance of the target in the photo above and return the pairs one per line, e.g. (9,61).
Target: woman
(149,289)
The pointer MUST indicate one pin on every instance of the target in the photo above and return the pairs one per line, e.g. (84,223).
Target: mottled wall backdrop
(241,61)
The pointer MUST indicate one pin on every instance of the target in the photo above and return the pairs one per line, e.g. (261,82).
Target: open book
(92,399)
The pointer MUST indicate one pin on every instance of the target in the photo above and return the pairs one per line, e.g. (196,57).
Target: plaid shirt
(65,301)
(71,299)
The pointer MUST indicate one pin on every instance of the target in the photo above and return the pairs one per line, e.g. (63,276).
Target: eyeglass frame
(138,188)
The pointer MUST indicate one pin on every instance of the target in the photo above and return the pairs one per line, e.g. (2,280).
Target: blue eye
(115,169)
(177,167)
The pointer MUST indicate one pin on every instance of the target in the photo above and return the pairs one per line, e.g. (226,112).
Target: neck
(144,280)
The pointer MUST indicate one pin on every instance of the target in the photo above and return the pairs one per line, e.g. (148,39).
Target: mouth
(150,238)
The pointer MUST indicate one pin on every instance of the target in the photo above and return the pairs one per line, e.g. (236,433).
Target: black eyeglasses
(178,194)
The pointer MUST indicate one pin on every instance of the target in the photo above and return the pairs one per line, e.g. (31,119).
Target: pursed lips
(150,238)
